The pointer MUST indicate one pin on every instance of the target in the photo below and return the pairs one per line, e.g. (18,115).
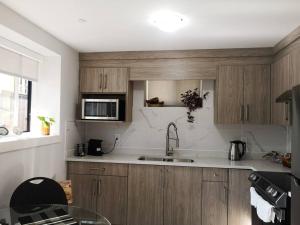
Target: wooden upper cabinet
(229,95)
(214,203)
(280,82)
(182,199)
(115,80)
(239,208)
(90,80)
(257,93)
(103,80)
(145,195)
(243,94)
(295,66)
(112,199)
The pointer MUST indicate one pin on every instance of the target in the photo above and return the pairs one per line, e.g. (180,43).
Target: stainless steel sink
(164,159)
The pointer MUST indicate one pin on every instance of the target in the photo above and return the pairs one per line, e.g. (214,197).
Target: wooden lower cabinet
(84,191)
(214,203)
(145,195)
(239,209)
(112,199)
(105,194)
(182,205)
(163,195)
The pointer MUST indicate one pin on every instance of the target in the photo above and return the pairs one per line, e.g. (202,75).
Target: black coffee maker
(95,147)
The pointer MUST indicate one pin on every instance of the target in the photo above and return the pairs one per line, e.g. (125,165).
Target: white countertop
(253,164)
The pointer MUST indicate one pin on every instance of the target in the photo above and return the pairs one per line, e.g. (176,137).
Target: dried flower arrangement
(192,100)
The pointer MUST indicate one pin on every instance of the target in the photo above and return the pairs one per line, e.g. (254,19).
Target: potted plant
(192,100)
(46,124)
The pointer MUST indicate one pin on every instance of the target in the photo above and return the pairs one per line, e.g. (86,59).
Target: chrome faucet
(170,150)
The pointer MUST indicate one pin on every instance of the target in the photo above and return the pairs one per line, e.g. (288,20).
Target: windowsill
(25,141)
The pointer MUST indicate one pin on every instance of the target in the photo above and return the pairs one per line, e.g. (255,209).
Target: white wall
(20,165)
(147,132)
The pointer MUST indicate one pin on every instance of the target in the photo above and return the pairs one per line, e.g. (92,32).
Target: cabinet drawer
(104,169)
(215,174)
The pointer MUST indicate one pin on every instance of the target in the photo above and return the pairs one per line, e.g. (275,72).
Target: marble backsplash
(147,132)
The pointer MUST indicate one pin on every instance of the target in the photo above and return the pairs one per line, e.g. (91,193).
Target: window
(15,102)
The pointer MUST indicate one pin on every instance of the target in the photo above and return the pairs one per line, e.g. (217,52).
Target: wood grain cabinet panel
(84,191)
(280,82)
(239,208)
(229,95)
(90,80)
(112,199)
(115,80)
(215,174)
(105,169)
(182,196)
(295,66)
(145,195)
(103,80)
(214,203)
(257,94)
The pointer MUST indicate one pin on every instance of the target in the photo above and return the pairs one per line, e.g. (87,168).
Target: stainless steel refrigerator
(295,202)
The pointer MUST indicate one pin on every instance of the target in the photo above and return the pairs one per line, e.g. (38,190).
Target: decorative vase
(45,130)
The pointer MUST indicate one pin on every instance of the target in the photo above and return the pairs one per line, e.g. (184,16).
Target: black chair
(38,191)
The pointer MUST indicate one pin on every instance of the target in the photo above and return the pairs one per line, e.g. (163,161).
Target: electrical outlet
(117,138)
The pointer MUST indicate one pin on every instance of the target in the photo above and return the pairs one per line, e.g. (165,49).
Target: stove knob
(253,177)
(269,189)
(274,193)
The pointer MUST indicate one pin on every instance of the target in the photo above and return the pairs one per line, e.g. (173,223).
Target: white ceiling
(122,25)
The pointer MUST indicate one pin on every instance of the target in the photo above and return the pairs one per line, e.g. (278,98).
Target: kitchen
(124,130)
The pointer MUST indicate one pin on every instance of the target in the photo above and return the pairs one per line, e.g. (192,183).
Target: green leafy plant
(46,121)
(192,100)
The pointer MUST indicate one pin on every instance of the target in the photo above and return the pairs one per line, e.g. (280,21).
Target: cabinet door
(230,95)
(239,208)
(145,195)
(257,94)
(115,80)
(91,80)
(84,191)
(182,196)
(214,203)
(295,67)
(112,198)
(280,82)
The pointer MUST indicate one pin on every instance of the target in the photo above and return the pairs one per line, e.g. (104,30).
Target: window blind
(19,65)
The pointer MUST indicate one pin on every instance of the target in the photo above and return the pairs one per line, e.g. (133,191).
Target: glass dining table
(50,215)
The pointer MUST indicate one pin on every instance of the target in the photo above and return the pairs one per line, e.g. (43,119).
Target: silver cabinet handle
(225,195)
(105,81)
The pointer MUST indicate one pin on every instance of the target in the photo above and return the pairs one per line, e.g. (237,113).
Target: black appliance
(95,147)
(275,188)
(295,183)
(292,99)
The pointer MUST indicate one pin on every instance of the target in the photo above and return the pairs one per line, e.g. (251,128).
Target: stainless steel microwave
(100,109)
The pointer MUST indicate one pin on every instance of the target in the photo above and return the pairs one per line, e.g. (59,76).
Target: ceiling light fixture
(168,21)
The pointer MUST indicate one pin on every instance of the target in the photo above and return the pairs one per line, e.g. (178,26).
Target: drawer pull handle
(98,169)
(215,175)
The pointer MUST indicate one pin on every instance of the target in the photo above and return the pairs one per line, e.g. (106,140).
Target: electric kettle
(237,150)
